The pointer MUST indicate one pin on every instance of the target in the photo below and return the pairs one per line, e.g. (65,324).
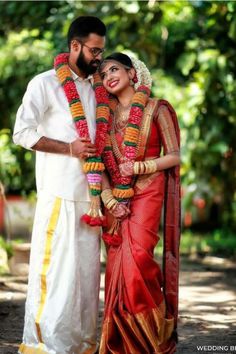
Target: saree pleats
(135,319)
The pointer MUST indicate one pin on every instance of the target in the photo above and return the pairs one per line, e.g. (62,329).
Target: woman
(140,300)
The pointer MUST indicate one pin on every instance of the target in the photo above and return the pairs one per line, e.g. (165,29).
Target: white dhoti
(63,290)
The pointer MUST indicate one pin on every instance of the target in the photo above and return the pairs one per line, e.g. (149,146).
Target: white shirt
(45,112)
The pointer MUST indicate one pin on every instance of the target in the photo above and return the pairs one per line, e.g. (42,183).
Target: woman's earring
(135,79)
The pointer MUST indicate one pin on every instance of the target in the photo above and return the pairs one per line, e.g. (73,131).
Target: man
(63,291)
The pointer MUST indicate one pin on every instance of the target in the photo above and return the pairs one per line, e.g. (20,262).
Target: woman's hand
(127,168)
(120,211)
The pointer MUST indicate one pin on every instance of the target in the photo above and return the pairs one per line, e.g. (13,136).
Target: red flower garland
(93,166)
(123,190)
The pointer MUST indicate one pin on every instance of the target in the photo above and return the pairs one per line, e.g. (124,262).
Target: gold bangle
(142,168)
(145,167)
(111,204)
(150,166)
(136,168)
(70,147)
(108,199)
(106,195)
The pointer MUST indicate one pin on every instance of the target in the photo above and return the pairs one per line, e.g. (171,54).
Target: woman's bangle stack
(145,167)
(107,197)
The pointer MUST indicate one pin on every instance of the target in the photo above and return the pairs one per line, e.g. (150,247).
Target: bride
(142,161)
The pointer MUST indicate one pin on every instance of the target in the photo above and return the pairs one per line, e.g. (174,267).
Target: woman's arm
(171,156)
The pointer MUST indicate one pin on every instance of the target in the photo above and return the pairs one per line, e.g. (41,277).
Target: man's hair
(82,26)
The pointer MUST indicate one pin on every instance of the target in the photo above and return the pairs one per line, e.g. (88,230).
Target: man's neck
(76,70)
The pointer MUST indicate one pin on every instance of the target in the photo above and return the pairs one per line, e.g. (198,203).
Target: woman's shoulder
(157,105)
(160,102)
(161,105)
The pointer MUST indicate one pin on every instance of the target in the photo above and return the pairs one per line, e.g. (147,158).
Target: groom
(63,290)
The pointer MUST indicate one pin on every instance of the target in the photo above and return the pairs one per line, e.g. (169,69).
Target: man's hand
(83,148)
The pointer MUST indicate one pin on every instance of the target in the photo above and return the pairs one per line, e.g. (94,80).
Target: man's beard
(87,68)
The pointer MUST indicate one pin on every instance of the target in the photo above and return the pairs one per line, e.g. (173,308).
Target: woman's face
(115,77)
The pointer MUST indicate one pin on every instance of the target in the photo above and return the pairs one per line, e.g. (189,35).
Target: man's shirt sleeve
(30,114)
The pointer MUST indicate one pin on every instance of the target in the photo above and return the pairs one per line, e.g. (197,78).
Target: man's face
(90,53)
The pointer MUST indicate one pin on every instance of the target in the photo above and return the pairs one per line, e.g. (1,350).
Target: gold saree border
(145,128)
(143,181)
(168,131)
(165,326)
(148,327)
(46,262)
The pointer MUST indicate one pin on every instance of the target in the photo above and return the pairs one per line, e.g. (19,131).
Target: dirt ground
(207,322)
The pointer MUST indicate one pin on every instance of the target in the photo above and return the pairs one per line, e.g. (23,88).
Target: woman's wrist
(108,199)
(145,167)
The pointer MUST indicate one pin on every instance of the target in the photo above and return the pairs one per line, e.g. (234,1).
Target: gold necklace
(121,116)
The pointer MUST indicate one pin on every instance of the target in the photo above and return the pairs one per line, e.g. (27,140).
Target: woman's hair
(142,74)
(82,26)
(118,57)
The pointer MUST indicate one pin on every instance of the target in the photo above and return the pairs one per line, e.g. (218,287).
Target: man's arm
(80,148)
(31,114)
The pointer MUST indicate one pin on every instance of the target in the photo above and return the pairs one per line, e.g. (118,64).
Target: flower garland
(123,190)
(93,167)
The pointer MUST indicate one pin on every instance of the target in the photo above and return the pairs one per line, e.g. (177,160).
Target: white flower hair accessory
(142,73)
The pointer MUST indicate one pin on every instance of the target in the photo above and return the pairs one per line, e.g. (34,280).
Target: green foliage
(22,56)
(15,164)
(7,246)
(221,243)
(189,47)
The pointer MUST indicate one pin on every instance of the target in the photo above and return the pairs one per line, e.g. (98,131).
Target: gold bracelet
(145,167)
(106,195)
(108,199)
(136,168)
(110,205)
(152,166)
(139,167)
(70,147)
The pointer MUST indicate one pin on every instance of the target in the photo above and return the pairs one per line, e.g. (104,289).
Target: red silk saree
(141,300)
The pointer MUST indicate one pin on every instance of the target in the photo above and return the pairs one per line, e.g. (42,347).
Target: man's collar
(77,77)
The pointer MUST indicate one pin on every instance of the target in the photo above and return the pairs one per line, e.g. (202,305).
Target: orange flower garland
(122,186)
(123,190)
(93,166)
